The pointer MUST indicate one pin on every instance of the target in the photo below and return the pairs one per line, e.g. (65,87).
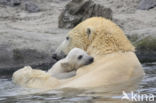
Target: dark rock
(147,4)
(146,56)
(79,10)
(31,7)
(10,2)
(145,47)
(15,2)
(12,60)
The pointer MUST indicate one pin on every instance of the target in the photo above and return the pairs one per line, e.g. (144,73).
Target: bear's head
(97,36)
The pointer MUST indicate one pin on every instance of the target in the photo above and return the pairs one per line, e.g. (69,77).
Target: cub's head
(76,58)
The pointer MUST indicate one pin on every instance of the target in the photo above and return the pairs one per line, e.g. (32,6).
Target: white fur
(67,67)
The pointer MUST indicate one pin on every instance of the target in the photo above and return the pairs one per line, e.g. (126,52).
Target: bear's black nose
(58,57)
(54,56)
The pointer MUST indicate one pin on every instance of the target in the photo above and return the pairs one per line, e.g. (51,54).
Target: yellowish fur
(34,78)
(106,38)
(115,60)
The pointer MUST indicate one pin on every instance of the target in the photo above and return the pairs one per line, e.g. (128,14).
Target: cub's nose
(91,60)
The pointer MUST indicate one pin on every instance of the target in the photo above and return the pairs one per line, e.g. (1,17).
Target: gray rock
(13,59)
(10,2)
(15,2)
(145,42)
(145,56)
(31,7)
(4,2)
(19,48)
(79,10)
(147,4)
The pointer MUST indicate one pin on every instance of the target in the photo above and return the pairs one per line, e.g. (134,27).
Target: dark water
(10,93)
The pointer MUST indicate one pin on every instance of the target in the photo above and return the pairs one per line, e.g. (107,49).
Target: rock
(19,48)
(10,2)
(12,60)
(29,38)
(79,10)
(15,2)
(145,42)
(3,2)
(139,26)
(147,4)
(146,49)
(31,7)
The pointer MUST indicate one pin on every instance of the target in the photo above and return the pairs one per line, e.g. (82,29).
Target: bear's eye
(80,57)
(67,38)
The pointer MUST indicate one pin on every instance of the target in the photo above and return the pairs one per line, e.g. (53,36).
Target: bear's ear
(89,32)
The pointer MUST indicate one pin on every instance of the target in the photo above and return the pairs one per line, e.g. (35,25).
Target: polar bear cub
(67,67)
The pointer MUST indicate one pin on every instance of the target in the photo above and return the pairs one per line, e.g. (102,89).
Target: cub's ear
(66,67)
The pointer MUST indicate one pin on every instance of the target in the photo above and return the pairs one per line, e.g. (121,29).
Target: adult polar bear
(115,60)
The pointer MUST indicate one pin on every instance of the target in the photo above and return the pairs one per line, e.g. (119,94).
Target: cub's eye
(80,57)
(67,38)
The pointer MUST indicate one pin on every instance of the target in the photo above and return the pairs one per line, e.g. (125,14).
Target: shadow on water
(10,93)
